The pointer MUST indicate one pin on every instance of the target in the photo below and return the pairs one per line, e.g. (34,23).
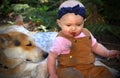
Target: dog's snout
(45,55)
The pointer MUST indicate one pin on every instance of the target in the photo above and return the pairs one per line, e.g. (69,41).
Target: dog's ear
(4,39)
(19,20)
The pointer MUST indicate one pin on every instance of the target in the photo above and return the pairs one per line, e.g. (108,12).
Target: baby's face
(71,24)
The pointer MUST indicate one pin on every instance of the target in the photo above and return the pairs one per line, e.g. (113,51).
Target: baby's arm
(51,64)
(103,51)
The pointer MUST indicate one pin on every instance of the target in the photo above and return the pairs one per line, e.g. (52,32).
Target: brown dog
(20,57)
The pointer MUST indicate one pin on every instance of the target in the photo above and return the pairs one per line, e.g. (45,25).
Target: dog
(20,57)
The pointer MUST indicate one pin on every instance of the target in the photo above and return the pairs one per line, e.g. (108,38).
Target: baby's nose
(73,28)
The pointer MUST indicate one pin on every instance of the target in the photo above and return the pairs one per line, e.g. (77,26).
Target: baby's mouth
(73,33)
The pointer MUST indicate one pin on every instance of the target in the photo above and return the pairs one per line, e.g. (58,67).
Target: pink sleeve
(93,40)
(61,46)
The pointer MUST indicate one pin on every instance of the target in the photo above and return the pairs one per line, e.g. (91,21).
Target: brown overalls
(79,62)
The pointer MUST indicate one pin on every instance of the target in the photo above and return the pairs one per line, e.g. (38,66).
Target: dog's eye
(16,42)
(30,44)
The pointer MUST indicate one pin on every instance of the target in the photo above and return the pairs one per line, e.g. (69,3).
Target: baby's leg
(69,73)
(100,72)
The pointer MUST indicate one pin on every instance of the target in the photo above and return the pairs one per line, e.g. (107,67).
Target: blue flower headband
(76,9)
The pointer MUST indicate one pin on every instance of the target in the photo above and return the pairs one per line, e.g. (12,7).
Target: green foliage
(32,10)
(111,11)
(97,29)
(20,7)
(89,4)
(44,15)
(114,30)
(41,15)
(103,29)
(4,7)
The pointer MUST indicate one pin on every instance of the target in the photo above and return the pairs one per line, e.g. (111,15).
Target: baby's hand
(114,54)
(54,76)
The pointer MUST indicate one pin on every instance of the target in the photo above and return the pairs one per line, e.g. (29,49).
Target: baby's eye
(78,24)
(68,25)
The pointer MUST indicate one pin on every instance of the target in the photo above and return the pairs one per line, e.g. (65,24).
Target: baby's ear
(59,22)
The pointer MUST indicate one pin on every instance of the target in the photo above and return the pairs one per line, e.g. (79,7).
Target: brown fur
(20,57)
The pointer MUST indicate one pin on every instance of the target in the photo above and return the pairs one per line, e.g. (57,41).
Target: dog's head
(16,47)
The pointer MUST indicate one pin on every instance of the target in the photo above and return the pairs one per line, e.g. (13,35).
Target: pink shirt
(62,45)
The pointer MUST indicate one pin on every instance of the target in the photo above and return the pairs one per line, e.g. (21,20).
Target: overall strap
(86,31)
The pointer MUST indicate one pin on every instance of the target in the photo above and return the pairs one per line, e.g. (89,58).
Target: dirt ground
(110,42)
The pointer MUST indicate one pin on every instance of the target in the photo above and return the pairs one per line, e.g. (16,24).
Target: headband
(76,9)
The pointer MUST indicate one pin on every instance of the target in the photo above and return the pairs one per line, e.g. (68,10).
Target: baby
(74,46)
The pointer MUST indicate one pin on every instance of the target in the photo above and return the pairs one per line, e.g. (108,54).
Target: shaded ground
(110,42)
